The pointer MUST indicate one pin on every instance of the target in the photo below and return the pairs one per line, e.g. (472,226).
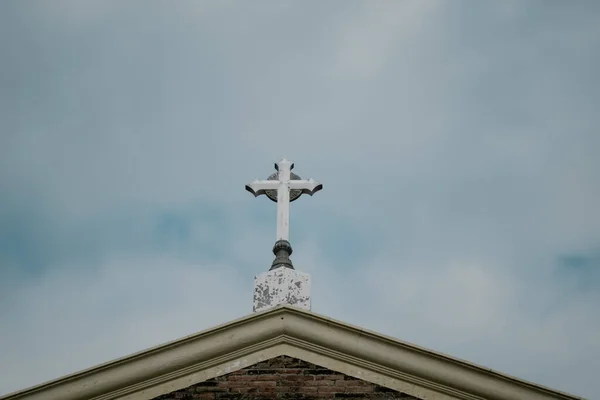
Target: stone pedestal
(281,286)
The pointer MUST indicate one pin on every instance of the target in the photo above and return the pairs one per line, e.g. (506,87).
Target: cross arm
(309,186)
(257,187)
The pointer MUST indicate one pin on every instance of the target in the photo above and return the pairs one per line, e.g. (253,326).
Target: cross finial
(283,187)
(284,163)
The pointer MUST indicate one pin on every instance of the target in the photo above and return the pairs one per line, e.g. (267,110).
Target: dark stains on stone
(262,296)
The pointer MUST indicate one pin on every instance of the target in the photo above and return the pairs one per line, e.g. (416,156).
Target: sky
(457,143)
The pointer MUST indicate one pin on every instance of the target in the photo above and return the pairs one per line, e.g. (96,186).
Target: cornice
(302,330)
(160,360)
(413,363)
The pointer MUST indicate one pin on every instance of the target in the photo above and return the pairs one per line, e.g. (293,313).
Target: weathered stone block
(281,286)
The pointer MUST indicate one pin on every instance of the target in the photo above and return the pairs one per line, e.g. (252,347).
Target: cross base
(283,286)
(282,250)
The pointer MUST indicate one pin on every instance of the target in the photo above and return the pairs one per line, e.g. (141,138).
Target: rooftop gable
(296,333)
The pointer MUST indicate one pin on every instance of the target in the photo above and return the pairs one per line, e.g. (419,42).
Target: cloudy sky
(457,143)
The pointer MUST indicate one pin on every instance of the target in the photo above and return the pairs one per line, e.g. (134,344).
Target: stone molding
(286,330)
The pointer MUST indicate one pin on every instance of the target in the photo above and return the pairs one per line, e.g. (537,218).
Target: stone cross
(282,284)
(283,187)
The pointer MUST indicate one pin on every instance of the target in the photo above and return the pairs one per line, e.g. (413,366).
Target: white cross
(283,185)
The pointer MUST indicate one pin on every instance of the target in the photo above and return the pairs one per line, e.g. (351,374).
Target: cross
(283,182)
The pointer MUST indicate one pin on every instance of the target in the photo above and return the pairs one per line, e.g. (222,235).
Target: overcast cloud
(457,143)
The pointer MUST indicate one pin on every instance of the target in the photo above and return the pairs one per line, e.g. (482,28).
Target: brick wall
(285,378)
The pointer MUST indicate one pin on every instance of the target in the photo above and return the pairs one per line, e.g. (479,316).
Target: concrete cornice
(289,330)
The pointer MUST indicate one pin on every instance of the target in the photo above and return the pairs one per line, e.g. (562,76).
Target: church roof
(293,332)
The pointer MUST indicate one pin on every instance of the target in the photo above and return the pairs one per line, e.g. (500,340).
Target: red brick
(263,377)
(296,378)
(326,395)
(329,389)
(242,377)
(307,389)
(282,377)
(323,383)
(244,390)
(284,389)
(329,377)
(234,384)
(263,383)
(293,371)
